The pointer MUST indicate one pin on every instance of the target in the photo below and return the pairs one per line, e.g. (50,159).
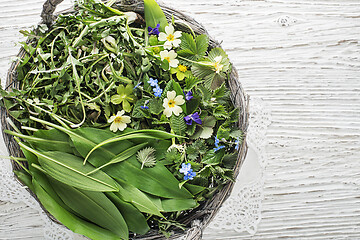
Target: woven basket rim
(238,97)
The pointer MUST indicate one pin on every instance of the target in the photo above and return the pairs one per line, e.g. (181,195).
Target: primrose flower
(218,67)
(171,37)
(170,57)
(157,91)
(153,82)
(188,95)
(155,30)
(181,72)
(192,117)
(172,104)
(119,121)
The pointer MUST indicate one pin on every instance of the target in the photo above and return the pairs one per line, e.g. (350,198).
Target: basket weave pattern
(207,210)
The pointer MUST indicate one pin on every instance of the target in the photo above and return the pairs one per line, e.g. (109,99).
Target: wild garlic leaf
(147,157)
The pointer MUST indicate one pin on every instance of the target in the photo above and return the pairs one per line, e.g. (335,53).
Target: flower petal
(120,113)
(174,63)
(169,29)
(121,126)
(177,34)
(167,112)
(176,42)
(114,127)
(167,45)
(163,54)
(179,100)
(165,103)
(111,119)
(172,54)
(177,110)
(162,37)
(171,95)
(125,119)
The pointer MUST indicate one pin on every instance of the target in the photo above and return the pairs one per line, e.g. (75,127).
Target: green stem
(101,94)
(22,166)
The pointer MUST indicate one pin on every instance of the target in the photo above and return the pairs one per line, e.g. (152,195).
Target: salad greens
(125,124)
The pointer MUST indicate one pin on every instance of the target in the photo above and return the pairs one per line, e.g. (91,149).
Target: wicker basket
(197,219)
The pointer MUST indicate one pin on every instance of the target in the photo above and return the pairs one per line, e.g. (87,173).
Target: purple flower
(190,175)
(188,95)
(155,30)
(157,91)
(193,117)
(153,82)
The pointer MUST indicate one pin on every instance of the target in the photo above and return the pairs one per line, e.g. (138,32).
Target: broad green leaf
(202,44)
(158,181)
(68,168)
(25,179)
(174,205)
(154,15)
(71,221)
(134,219)
(191,48)
(46,141)
(194,189)
(136,134)
(131,194)
(121,156)
(212,157)
(155,106)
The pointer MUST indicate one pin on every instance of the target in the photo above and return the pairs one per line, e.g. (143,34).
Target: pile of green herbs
(124,123)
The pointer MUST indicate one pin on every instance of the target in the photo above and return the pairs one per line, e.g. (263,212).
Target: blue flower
(193,117)
(157,91)
(185,168)
(153,82)
(137,85)
(189,174)
(237,142)
(188,95)
(155,30)
(217,147)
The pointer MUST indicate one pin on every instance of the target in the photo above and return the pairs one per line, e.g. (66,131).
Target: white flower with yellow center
(170,37)
(172,104)
(170,57)
(119,121)
(218,67)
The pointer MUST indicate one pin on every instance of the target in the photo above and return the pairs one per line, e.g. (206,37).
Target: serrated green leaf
(237,134)
(191,82)
(155,106)
(212,157)
(202,44)
(205,130)
(220,112)
(178,124)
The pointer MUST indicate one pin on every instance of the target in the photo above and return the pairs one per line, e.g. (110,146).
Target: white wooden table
(302,57)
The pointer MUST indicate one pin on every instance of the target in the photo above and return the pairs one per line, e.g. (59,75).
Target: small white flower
(170,57)
(170,37)
(218,67)
(119,121)
(172,104)
(131,17)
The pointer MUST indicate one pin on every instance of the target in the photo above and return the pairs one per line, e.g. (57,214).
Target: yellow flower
(119,121)
(170,37)
(218,67)
(182,68)
(172,104)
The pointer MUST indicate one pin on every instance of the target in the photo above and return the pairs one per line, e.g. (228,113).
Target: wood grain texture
(302,58)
